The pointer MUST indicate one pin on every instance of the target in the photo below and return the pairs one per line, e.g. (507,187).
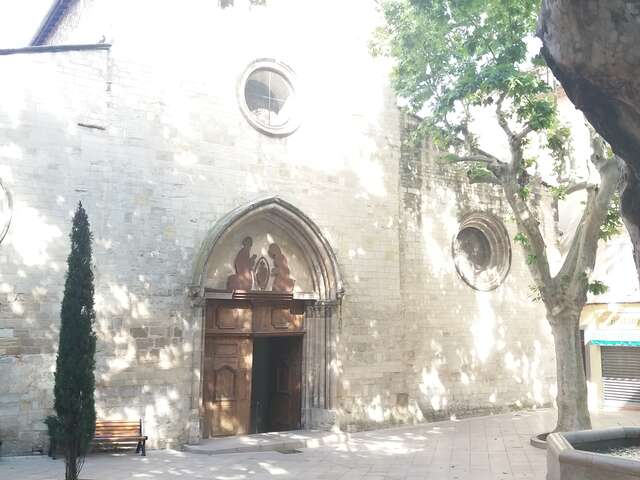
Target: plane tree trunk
(571,399)
(592,48)
(565,293)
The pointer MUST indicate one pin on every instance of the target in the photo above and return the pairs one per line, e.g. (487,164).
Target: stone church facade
(272,249)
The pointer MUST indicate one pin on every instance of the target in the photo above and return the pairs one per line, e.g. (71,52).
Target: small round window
(482,251)
(268,99)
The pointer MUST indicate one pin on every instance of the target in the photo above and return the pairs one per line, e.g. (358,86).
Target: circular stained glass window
(268,99)
(474,245)
(482,251)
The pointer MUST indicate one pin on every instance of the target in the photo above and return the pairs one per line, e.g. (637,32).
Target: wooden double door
(252,367)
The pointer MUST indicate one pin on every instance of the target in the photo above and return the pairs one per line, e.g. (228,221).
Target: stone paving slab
(482,448)
(263,442)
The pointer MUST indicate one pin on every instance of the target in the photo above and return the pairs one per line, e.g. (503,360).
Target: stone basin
(575,455)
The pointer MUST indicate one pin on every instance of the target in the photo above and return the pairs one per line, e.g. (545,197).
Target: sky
(19,20)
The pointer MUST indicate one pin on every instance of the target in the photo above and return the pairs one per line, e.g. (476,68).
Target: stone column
(319,379)
(194,432)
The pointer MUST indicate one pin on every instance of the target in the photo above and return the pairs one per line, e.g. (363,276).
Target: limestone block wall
(157,150)
(44,98)
(148,134)
(452,350)
(467,351)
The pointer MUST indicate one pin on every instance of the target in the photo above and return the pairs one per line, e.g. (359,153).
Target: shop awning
(616,343)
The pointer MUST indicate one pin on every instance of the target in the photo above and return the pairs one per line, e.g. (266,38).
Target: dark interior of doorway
(267,396)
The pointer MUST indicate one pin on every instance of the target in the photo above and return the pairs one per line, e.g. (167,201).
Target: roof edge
(50,21)
(55,48)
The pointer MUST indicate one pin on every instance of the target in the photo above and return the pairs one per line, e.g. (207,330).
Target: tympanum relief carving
(244,263)
(252,275)
(282,281)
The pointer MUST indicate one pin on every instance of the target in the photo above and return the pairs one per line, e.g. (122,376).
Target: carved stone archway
(322,291)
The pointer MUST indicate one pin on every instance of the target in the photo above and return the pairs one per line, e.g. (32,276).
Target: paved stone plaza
(484,448)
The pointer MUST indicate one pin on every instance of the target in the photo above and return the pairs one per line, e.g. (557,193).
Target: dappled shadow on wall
(464,351)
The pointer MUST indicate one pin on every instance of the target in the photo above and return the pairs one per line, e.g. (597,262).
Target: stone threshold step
(264,442)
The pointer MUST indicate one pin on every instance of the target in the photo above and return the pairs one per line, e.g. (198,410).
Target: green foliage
(535,294)
(560,146)
(522,239)
(529,162)
(524,192)
(612,222)
(450,55)
(74,377)
(449,157)
(597,287)
(560,192)
(53,428)
(477,172)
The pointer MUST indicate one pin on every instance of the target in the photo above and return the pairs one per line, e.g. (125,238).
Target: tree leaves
(522,239)
(450,53)
(597,287)
(478,172)
(612,222)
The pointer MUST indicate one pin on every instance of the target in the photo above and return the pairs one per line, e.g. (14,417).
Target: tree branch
(524,132)
(515,140)
(495,166)
(581,257)
(486,154)
(480,158)
(576,187)
(475,154)
(502,117)
(529,226)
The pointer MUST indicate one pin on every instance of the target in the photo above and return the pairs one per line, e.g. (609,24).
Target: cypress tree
(75,363)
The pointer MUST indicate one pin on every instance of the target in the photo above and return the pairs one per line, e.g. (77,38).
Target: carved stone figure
(282,281)
(243,278)
(262,273)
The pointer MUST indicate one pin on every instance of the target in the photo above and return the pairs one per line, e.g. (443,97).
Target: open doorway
(276,384)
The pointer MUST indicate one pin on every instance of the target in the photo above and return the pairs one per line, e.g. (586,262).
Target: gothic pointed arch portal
(267,291)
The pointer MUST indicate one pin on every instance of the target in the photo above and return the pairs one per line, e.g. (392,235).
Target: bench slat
(116,427)
(117,421)
(133,425)
(120,432)
(111,437)
(116,432)
(134,429)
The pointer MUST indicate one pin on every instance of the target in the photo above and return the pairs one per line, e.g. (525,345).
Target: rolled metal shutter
(621,375)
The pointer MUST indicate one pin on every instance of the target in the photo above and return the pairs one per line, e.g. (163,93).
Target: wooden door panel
(283,319)
(261,315)
(227,385)
(277,319)
(229,318)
